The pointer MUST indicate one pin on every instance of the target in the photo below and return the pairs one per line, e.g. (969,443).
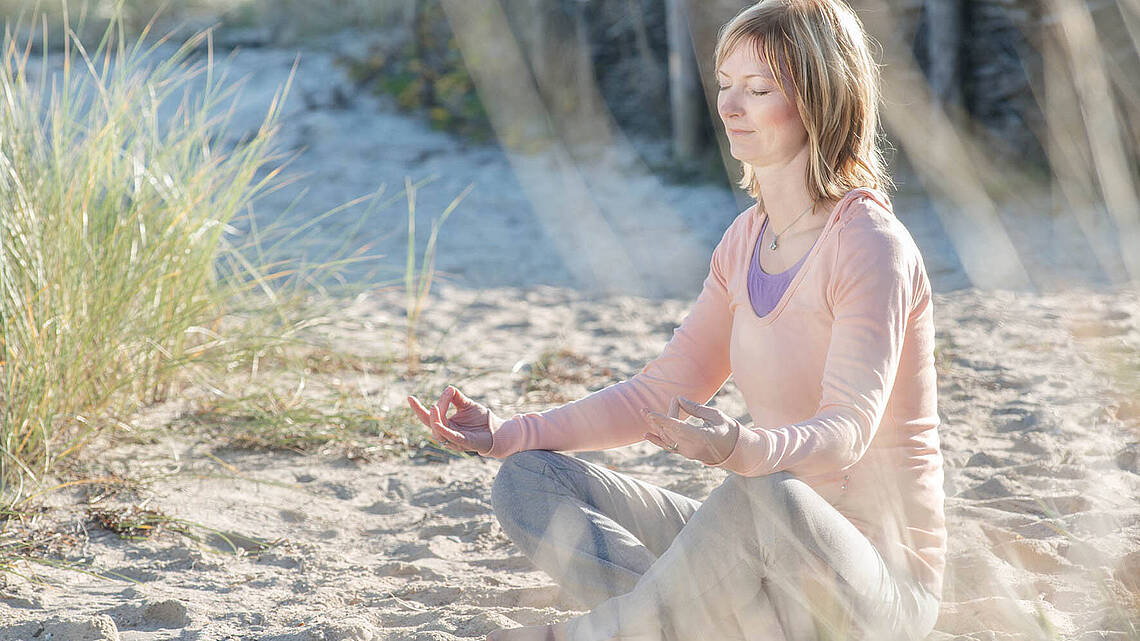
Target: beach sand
(1042,458)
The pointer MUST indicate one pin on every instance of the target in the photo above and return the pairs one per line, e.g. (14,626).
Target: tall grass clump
(117,187)
(417,283)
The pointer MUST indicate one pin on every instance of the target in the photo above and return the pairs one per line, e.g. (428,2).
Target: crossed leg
(757,547)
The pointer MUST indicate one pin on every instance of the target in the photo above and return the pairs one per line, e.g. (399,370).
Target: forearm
(605,419)
(824,443)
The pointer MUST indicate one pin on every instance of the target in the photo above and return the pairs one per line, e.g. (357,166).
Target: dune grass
(118,187)
(124,278)
(122,275)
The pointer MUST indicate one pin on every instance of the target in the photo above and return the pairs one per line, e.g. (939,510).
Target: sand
(1037,392)
(1041,448)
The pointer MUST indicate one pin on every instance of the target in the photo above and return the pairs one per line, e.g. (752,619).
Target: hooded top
(838,378)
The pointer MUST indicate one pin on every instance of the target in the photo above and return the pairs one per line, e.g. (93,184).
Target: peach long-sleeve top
(839,380)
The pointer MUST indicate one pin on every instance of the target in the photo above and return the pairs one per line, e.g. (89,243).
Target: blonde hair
(820,49)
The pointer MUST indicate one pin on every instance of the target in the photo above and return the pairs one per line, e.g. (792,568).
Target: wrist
(730,441)
(494,422)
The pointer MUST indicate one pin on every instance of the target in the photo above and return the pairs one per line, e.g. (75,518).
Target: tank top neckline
(795,275)
(756,254)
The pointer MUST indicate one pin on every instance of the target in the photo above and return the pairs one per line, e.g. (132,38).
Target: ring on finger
(674,447)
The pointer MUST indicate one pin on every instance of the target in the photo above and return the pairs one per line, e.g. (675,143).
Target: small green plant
(266,420)
(134,522)
(556,368)
(425,71)
(417,282)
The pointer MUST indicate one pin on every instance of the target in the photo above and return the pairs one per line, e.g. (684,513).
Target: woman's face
(763,127)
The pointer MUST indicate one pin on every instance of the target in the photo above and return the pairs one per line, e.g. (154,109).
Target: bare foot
(553,632)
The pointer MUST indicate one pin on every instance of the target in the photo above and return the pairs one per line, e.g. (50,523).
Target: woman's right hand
(469,429)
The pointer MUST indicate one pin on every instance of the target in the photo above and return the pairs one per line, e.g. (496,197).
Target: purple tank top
(765,290)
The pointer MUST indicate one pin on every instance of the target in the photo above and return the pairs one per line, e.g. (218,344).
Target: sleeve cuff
(507,439)
(750,455)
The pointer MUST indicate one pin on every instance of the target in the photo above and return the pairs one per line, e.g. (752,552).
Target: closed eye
(754,93)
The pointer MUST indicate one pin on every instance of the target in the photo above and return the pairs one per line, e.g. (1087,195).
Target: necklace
(776,237)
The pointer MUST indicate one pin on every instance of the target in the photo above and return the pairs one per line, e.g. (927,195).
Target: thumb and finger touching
(699,411)
(459,398)
(433,419)
(656,440)
(695,442)
(455,436)
(421,412)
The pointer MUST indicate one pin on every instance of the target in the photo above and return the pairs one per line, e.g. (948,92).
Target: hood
(878,196)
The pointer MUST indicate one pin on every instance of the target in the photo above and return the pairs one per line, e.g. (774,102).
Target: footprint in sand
(460,530)
(1096,329)
(1001,613)
(1128,458)
(409,570)
(973,574)
(397,489)
(1035,555)
(1068,601)
(542,596)
(985,459)
(1018,417)
(1052,471)
(97,628)
(292,516)
(996,487)
(383,507)
(353,629)
(1044,506)
(339,490)
(1128,572)
(465,507)
(515,563)
(437,547)
(170,613)
(433,496)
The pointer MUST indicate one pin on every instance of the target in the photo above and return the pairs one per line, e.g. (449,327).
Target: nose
(728,105)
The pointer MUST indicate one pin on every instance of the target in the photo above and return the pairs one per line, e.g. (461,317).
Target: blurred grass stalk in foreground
(112,221)
(417,283)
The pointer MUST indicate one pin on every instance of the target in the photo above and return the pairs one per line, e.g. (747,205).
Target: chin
(749,160)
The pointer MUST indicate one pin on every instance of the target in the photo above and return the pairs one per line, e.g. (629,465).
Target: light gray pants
(760,557)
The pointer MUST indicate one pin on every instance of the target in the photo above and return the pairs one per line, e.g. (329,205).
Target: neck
(785,194)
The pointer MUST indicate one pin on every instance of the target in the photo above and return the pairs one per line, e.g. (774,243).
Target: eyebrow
(751,75)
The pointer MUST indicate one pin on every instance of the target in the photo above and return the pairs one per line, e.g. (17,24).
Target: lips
(739,132)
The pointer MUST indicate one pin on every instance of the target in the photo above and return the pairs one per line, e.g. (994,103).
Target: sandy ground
(1040,436)
(1041,422)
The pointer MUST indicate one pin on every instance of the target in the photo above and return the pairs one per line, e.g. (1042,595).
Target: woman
(817,302)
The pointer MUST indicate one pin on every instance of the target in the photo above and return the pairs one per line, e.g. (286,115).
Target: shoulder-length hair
(818,52)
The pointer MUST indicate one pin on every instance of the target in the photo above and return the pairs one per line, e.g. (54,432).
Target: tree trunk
(944,35)
(684,85)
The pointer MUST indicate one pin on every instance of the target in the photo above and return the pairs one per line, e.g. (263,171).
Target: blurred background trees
(639,63)
(990,103)
(990,106)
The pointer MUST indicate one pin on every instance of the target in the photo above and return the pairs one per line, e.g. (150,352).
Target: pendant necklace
(776,237)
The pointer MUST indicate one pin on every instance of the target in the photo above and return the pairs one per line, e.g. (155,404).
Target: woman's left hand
(710,443)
